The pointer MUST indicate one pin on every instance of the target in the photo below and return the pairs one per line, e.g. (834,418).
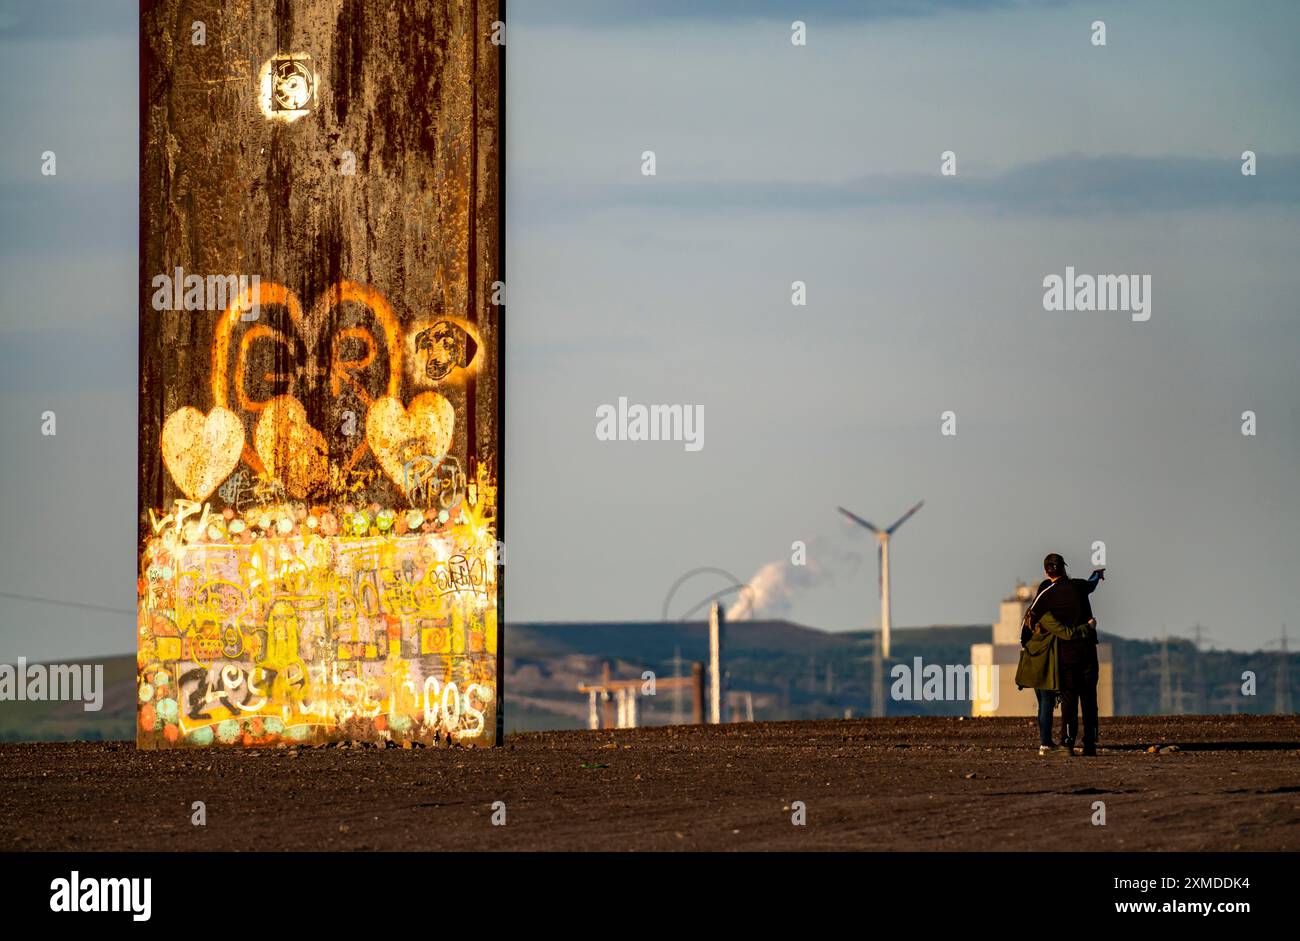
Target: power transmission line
(66,604)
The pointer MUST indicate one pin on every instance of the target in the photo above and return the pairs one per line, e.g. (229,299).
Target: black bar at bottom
(929,890)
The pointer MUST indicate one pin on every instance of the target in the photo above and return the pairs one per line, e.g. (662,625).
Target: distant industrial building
(1004,653)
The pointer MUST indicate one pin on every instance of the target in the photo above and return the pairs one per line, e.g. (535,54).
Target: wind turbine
(882,554)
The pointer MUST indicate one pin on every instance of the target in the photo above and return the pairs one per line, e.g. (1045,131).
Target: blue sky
(775,163)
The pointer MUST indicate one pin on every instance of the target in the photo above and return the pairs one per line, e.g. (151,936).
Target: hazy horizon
(775,163)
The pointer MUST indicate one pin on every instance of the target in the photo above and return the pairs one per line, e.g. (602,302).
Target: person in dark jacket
(1058,598)
(1076,658)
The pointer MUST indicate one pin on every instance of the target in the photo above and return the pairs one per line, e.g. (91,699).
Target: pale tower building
(1004,653)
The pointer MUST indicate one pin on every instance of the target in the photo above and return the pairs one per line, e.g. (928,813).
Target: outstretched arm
(1050,624)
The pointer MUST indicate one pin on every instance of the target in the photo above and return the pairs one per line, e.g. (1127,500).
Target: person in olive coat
(1078,666)
(1057,617)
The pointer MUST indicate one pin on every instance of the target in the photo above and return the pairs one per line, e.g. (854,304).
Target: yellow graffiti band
(319,632)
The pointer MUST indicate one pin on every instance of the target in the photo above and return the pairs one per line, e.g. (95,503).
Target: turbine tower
(882,554)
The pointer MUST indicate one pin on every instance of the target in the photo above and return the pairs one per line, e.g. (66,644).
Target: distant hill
(791,672)
(68,721)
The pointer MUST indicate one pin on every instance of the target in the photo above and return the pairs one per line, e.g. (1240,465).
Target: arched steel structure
(736,584)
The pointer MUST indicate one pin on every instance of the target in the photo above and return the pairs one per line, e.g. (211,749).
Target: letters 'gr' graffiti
(320,485)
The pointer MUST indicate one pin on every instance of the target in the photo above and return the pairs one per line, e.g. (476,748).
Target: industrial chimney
(716,625)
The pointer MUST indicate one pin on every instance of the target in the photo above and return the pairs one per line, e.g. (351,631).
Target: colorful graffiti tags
(319,555)
(288,622)
(266,617)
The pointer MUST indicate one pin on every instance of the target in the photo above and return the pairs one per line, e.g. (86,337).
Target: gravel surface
(1220,783)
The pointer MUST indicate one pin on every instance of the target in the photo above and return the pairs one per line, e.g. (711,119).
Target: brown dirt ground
(868,784)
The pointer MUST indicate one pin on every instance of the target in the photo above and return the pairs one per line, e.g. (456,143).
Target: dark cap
(1053,559)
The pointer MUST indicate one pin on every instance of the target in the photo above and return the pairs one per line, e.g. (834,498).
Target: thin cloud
(616,13)
(1069,185)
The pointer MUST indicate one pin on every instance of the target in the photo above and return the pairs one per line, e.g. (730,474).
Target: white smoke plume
(772,590)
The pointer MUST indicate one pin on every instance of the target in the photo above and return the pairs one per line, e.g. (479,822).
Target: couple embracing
(1058,656)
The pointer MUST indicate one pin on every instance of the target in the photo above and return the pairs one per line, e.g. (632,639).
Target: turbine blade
(880,567)
(904,518)
(857,519)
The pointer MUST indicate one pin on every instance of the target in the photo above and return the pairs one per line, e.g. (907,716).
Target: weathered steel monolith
(320,375)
